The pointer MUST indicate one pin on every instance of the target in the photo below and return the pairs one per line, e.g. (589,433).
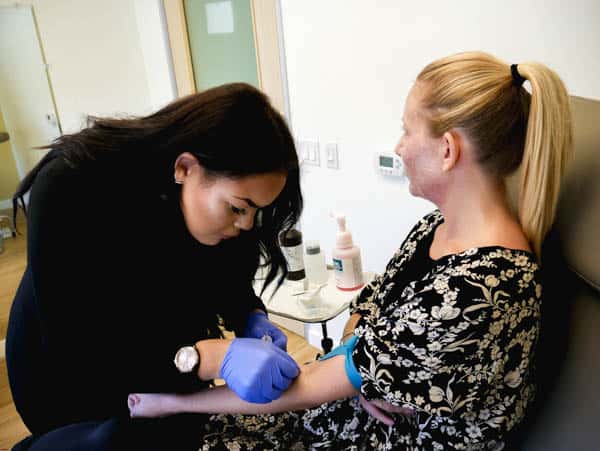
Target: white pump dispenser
(347,263)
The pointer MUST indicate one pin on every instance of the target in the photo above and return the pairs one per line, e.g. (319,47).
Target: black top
(117,284)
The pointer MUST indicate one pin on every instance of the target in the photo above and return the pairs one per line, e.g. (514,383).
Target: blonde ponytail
(548,147)
(509,127)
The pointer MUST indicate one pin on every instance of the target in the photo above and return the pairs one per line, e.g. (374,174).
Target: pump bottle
(347,265)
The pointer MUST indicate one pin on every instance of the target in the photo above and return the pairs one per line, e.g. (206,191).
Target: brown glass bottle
(291,246)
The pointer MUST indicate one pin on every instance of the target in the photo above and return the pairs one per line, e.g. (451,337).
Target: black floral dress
(452,338)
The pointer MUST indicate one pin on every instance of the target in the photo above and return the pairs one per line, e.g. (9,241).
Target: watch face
(186,359)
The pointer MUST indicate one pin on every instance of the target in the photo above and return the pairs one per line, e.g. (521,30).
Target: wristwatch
(187,359)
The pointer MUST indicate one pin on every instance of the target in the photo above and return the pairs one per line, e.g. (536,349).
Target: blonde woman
(448,332)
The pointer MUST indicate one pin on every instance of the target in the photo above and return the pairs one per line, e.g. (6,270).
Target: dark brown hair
(232,130)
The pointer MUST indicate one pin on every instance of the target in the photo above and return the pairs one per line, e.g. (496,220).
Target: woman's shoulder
(60,168)
(56,166)
(56,176)
(494,268)
(495,257)
(61,182)
(83,176)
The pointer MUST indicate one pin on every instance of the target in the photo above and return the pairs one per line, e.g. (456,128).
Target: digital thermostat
(389,164)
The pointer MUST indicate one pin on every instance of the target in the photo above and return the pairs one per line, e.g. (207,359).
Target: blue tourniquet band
(346,350)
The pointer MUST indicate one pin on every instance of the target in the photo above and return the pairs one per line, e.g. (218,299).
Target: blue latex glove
(256,370)
(259,325)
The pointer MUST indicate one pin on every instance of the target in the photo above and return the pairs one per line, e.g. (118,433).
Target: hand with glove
(258,326)
(256,370)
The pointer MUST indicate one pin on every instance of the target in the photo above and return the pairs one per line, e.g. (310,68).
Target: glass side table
(317,304)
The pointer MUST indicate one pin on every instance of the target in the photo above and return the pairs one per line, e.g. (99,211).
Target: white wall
(100,57)
(351,63)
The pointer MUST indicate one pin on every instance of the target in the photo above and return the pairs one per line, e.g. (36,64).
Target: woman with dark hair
(145,234)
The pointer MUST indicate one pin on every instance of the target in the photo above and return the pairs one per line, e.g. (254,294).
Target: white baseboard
(6,204)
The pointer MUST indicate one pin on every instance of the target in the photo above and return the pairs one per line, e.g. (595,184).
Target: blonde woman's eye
(238,211)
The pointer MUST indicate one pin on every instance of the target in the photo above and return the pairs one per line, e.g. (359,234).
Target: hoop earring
(179,182)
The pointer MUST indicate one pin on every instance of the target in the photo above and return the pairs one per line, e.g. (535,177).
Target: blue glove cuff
(253,318)
(254,314)
(346,349)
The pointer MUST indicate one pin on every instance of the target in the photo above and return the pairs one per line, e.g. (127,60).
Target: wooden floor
(12,265)
(12,428)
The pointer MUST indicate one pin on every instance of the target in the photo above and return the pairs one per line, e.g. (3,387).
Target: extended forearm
(312,387)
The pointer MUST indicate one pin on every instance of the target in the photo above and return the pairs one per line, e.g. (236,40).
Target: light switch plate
(309,152)
(332,156)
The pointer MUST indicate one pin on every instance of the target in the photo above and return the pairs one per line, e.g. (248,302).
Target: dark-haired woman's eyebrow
(248,201)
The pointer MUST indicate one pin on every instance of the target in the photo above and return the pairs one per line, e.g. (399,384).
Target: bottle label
(348,272)
(293,256)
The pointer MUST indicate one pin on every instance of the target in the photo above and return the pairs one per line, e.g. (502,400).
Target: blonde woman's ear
(451,150)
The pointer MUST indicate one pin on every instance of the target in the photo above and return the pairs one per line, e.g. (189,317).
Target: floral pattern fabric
(455,344)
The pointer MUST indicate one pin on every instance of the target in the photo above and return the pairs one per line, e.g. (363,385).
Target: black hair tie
(518,80)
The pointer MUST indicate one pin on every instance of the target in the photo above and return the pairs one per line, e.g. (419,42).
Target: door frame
(29,4)
(270,52)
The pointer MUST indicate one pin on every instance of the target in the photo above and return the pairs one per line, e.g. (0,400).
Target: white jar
(314,262)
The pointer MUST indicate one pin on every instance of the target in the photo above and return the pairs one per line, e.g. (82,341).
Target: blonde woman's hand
(379,409)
